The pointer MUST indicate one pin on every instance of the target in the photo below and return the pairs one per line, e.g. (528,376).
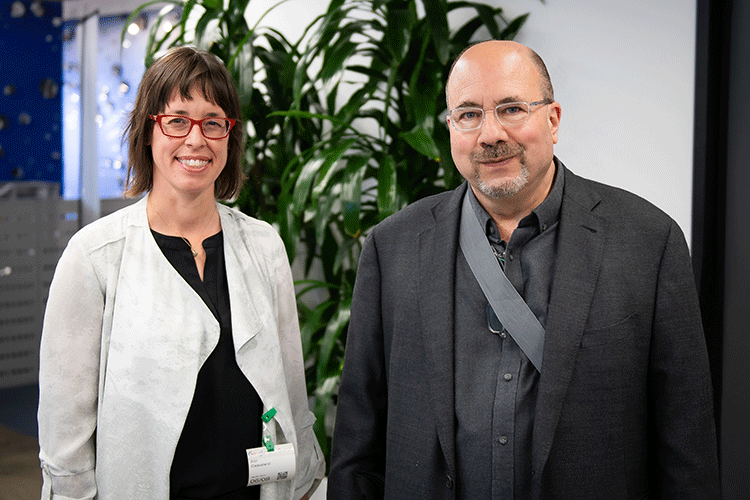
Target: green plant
(349,127)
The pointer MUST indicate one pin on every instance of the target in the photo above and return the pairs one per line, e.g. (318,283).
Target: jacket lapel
(581,239)
(254,325)
(241,275)
(437,252)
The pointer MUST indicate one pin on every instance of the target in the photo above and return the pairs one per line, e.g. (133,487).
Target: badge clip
(267,439)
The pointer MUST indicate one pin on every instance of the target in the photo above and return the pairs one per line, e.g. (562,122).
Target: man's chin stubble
(508,188)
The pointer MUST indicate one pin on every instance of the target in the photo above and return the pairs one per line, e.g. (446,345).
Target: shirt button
(503,440)
(503,334)
(449,482)
(544,227)
(510,256)
(508,377)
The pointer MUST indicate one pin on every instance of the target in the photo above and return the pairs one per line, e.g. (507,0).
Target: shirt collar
(543,216)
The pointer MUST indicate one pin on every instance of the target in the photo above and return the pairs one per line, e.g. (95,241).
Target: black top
(224,418)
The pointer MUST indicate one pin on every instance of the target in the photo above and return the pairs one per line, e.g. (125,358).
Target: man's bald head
(502,48)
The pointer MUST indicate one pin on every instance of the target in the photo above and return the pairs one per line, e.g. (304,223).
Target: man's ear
(553,119)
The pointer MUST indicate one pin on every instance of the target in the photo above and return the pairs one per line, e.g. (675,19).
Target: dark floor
(20,476)
(18,407)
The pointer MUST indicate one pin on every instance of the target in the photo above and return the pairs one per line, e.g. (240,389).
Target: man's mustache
(501,150)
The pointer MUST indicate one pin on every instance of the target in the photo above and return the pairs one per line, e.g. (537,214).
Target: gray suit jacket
(624,407)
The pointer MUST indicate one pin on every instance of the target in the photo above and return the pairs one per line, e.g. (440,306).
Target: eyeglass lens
(493,322)
(513,113)
(179,126)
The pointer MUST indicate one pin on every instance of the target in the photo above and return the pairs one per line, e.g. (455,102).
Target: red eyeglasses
(176,126)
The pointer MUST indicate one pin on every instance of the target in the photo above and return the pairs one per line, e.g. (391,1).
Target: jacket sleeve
(686,463)
(310,462)
(69,378)
(358,451)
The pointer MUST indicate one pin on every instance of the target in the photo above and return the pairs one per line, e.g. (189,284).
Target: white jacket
(123,339)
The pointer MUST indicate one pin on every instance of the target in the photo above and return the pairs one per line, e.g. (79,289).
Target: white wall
(623,71)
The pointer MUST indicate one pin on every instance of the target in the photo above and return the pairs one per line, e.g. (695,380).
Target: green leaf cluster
(347,127)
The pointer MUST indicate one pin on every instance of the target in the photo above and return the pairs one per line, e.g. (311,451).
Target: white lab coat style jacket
(123,340)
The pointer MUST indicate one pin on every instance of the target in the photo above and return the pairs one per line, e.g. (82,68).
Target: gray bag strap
(508,305)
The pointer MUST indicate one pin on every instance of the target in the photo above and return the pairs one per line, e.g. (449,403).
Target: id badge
(271,466)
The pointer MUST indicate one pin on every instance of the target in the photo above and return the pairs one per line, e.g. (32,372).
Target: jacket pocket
(615,332)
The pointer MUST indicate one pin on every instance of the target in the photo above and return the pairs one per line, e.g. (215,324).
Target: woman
(171,325)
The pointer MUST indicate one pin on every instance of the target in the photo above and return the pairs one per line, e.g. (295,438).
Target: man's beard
(506,188)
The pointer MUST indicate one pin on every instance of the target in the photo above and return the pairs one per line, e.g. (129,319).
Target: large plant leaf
(437,17)
(397,33)
(351,194)
(318,168)
(334,58)
(421,140)
(387,188)
(315,319)
(513,28)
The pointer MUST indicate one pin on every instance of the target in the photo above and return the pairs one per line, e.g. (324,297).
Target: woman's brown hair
(183,70)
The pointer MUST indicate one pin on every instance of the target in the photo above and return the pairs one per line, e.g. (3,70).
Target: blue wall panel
(30,82)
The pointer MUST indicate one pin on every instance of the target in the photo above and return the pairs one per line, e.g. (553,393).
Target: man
(592,384)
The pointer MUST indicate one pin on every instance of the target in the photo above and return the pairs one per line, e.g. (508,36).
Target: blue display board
(30,83)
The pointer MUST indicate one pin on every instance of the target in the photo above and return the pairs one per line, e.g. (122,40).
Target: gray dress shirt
(495,383)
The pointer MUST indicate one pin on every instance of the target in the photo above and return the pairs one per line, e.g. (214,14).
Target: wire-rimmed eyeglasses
(508,113)
(177,126)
